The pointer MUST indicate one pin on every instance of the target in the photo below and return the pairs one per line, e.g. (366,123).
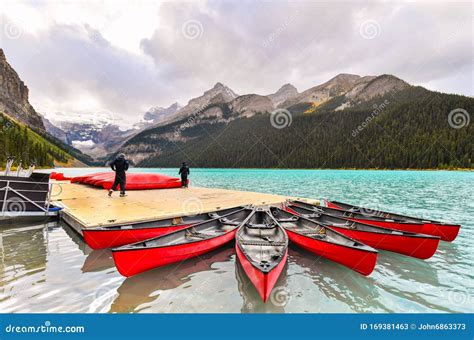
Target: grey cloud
(251,46)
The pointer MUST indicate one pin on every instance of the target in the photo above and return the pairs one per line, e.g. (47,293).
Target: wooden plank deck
(86,206)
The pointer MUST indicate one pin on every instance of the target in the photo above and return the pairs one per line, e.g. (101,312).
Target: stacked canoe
(348,235)
(135,181)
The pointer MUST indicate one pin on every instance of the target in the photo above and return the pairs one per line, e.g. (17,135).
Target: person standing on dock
(120,166)
(184,172)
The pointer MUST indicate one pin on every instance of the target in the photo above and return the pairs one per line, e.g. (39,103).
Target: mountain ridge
(211,140)
(14,96)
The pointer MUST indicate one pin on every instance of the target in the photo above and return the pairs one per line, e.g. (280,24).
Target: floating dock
(87,207)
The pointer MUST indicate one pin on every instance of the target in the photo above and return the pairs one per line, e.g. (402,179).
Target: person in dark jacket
(184,172)
(120,166)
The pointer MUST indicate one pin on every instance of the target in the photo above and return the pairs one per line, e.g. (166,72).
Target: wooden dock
(86,206)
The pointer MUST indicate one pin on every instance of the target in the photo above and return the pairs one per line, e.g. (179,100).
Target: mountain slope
(406,128)
(219,93)
(23,133)
(14,96)
(158,114)
(23,143)
(284,93)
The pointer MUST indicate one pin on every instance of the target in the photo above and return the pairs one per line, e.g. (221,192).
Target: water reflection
(23,250)
(145,287)
(76,238)
(251,300)
(98,260)
(38,264)
(338,282)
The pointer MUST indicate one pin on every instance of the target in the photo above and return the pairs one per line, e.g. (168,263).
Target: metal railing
(6,200)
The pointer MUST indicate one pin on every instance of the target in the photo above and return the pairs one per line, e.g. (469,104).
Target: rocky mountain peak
(14,96)
(284,93)
(220,88)
(157,114)
(376,86)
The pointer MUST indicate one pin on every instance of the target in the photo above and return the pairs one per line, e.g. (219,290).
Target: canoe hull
(263,282)
(419,247)
(447,232)
(358,260)
(130,262)
(410,227)
(103,238)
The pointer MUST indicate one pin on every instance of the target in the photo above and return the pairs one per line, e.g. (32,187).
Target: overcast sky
(117,59)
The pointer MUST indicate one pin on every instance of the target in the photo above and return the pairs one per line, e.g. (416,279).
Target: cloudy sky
(116,59)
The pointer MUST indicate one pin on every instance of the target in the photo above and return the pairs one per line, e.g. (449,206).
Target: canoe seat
(261,225)
(199,234)
(314,215)
(229,222)
(350,225)
(264,244)
(311,232)
(290,219)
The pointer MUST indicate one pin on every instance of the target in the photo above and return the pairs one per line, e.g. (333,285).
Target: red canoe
(58,176)
(324,241)
(119,235)
(262,249)
(412,227)
(447,231)
(179,245)
(135,181)
(402,242)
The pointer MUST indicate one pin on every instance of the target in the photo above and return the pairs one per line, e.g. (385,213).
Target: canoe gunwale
(405,217)
(381,230)
(358,245)
(135,225)
(134,246)
(281,255)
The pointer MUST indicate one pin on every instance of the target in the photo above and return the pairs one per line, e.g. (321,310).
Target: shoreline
(329,169)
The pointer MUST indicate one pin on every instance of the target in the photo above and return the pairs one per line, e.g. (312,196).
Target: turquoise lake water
(48,268)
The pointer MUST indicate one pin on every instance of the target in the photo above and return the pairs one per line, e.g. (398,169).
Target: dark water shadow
(408,268)
(251,300)
(337,282)
(76,238)
(98,260)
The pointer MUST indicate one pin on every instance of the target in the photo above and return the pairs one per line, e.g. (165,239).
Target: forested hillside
(410,128)
(25,144)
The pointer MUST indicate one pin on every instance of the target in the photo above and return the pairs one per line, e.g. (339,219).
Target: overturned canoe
(178,246)
(119,235)
(135,181)
(415,245)
(447,231)
(262,249)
